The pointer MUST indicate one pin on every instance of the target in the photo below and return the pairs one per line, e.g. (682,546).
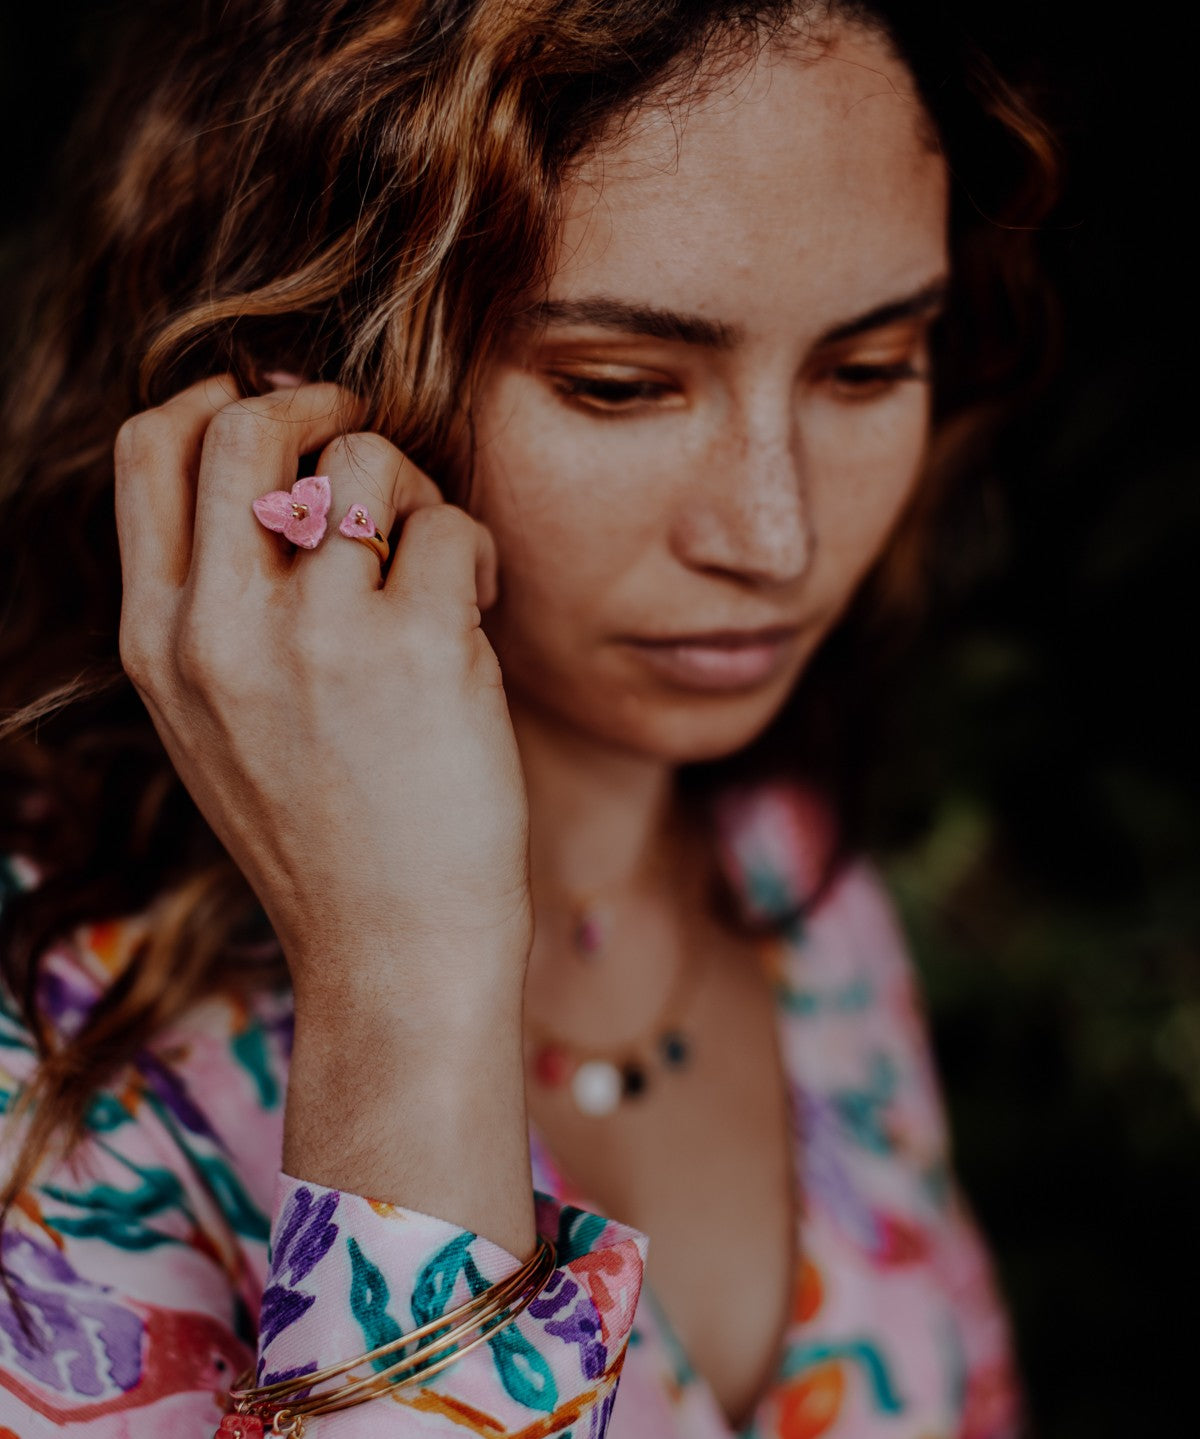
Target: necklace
(600,1080)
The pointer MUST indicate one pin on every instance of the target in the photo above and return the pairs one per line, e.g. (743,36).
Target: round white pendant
(596,1086)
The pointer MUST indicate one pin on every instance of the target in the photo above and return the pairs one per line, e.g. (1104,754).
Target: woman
(609,332)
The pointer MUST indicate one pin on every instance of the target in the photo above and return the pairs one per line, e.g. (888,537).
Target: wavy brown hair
(362,191)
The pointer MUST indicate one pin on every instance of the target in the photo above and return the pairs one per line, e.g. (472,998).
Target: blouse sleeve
(350,1273)
(145,1275)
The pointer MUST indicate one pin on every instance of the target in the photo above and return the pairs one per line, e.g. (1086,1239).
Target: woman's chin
(673,729)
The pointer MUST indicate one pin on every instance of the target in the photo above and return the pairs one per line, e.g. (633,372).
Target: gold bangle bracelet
(512,1294)
(493,1298)
(383,1380)
(289,1419)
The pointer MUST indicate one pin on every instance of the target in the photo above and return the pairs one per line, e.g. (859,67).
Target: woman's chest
(703,1164)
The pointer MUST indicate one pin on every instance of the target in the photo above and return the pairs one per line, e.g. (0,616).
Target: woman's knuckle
(199,651)
(363,450)
(440,524)
(139,440)
(134,655)
(238,429)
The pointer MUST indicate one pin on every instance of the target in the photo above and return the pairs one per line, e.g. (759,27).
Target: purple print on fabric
(601,1415)
(306,1232)
(82,1341)
(281,1307)
(580,1326)
(827,1178)
(277,1376)
(557,1294)
(65,999)
(172,1091)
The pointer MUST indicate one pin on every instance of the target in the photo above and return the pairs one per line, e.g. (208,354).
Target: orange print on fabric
(809,1407)
(612,1278)
(810,1292)
(112,941)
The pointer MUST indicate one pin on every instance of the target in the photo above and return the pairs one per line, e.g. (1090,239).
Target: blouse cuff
(348,1274)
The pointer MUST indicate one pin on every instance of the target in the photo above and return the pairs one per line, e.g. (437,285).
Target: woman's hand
(350,744)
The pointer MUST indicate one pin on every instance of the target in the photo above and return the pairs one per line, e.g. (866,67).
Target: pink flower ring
(299,515)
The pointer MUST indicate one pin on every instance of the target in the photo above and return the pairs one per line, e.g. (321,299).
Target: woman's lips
(724,661)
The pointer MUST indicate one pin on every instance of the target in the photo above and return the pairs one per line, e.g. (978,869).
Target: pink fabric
(174,1240)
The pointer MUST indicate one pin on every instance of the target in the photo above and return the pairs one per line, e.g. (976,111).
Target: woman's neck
(600,819)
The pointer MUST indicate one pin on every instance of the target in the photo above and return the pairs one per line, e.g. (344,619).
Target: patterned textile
(171,1252)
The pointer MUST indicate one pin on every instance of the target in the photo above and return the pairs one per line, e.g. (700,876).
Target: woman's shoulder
(230,1041)
(782,850)
(835,941)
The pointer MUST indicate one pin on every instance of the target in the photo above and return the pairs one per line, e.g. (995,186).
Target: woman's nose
(747,513)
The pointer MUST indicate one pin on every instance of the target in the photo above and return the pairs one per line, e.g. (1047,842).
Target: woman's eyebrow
(609,313)
(925,301)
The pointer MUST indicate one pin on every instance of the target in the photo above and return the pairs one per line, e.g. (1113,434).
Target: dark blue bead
(674,1049)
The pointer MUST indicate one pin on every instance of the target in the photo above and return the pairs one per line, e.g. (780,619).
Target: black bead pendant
(674,1049)
(633,1081)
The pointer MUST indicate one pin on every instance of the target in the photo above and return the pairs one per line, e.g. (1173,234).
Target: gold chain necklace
(599,1080)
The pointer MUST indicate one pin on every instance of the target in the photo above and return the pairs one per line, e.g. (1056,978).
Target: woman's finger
(155,460)
(252,447)
(445,562)
(367,473)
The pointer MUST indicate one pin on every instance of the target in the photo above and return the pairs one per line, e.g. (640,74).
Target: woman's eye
(609,396)
(865,382)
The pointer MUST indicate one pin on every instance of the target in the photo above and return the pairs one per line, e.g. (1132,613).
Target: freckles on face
(713,417)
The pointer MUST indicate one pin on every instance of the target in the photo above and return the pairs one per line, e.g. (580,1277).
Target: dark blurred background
(1036,797)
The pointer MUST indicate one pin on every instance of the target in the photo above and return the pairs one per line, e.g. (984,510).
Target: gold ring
(378,543)
(358,525)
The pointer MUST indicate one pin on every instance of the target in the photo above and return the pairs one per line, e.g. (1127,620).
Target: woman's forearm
(420,1104)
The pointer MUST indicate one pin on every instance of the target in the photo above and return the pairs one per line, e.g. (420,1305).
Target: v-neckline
(768,883)
(768,948)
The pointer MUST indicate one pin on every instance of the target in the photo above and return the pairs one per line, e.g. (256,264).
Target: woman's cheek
(866,470)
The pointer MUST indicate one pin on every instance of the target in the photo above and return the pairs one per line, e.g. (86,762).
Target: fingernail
(282,379)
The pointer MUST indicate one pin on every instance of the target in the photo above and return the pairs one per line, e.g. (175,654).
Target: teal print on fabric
(577,1232)
(524,1373)
(13,1034)
(105,1113)
(856,1351)
(369,1295)
(863,1112)
(245,1217)
(435,1284)
(9,883)
(853,998)
(682,1371)
(935,1180)
(120,1215)
(250,1050)
(436,1281)
(769,891)
(526,1376)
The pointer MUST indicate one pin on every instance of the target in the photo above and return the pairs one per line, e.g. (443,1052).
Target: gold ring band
(378,543)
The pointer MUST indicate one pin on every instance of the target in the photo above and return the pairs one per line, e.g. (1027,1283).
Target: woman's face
(716,424)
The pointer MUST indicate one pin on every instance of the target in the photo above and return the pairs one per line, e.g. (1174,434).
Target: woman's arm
(350,744)
(140,1264)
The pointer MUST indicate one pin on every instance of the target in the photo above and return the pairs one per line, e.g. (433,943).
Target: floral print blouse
(171,1252)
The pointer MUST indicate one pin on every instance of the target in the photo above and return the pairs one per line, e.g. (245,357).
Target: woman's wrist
(422,1105)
